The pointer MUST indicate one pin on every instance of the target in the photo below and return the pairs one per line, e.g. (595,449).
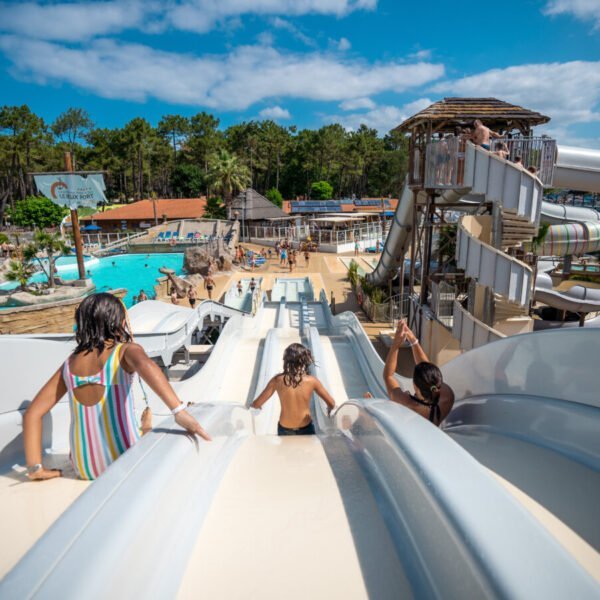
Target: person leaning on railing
(433,399)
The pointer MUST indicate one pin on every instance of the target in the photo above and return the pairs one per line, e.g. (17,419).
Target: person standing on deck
(481,134)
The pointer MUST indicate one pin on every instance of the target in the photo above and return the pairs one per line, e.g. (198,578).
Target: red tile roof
(180,208)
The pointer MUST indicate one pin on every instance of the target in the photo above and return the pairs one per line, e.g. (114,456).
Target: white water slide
(380,504)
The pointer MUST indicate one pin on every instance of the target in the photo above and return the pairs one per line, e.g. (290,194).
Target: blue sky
(303,62)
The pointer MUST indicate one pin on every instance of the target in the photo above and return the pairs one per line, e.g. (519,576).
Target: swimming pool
(131,271)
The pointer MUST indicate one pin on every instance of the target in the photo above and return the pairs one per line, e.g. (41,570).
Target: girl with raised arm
(98,379)
(433,399)
(295,387)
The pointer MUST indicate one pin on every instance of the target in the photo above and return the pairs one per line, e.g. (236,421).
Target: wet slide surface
(279,527)
(244,362)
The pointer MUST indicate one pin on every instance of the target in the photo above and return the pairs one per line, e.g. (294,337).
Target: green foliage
(72,126)
(353,273)
(174,128)
(274,195)
(141,160)
(538,240)
(187,181)
(4,238)
(50,246)
(37,211)
(215,209)
(19,271)
(228,174)
(376,294)
(321,190)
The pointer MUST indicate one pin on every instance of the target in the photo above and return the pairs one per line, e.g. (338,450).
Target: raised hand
(408,334)
(400,334)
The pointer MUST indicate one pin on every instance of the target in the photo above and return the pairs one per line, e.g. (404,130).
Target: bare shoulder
(311,380)
(130,354)
(400,396)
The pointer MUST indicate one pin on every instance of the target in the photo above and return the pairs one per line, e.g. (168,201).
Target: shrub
(353,273)
(38,211)
(274,196)
(215,209)
(321,190)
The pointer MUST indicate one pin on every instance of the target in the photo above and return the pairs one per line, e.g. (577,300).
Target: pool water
(134,272)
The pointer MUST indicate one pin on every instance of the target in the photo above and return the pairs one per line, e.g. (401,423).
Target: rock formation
(181,285)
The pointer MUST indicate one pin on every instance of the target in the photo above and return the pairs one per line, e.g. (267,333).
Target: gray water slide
(578,299)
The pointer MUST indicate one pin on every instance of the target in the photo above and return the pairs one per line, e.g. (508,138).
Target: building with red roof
(147,213)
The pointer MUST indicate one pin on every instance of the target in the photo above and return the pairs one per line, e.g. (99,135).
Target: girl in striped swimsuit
(98,379)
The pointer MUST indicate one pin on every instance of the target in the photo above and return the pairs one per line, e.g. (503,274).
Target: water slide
(577,299)
(160,328)
(576,168)
(363,509)
(242,301)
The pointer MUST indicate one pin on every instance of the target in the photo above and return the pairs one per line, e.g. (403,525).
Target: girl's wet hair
(100,318)
(296,362)
(428,379)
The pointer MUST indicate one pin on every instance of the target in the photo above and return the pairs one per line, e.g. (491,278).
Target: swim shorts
(306,430)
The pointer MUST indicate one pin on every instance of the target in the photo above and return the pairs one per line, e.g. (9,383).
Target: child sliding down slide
(295,387)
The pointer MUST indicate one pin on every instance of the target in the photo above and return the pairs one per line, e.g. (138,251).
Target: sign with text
(72,190)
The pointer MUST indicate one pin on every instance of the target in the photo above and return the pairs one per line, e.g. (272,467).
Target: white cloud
(280,23)
(382,118)
(357,103)
(71,21)
(344,44)
(585,10)
(569,92)
(232,81)
(74,21)
(420,55)
(265,38)
(275,113)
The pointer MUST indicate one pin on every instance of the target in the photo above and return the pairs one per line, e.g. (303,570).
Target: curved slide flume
(362,507)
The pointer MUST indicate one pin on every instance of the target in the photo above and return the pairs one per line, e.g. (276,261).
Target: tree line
(193,156)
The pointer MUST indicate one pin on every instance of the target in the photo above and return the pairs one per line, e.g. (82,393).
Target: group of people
(288,256)
(98,379)
(251,286)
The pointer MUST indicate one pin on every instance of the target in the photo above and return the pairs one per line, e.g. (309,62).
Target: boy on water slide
(295,387)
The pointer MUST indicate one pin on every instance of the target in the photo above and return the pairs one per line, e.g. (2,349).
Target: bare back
(295,401)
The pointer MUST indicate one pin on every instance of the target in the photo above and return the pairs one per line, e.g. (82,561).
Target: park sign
(72,190)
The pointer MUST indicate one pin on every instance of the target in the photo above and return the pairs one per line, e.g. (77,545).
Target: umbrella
(92,227)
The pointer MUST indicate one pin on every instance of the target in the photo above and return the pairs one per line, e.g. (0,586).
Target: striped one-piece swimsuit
(102,432)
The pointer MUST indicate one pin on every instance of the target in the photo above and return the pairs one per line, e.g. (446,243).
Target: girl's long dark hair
(296,362)
(100,318)
(428,379)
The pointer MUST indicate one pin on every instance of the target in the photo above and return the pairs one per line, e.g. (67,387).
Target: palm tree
(228,175)
(19,271)
(48,245)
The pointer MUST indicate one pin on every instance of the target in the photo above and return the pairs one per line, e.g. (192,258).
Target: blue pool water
(129,272)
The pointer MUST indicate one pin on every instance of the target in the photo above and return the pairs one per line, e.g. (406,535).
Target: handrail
(470,331)
(451,496)
(493,268)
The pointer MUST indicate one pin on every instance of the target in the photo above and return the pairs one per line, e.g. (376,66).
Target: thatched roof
(451,112)
(253,206)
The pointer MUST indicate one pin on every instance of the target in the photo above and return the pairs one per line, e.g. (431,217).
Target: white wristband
(414,343)
(177,410)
